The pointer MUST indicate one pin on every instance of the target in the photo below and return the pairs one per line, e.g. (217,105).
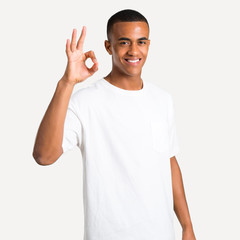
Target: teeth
(133,61)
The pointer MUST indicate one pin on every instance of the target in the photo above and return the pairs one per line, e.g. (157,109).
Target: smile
(133,61)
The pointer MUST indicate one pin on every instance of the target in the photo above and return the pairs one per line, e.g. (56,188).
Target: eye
(123,43)
(142,42)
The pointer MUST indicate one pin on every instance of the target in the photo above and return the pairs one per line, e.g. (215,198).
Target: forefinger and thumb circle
(94,68)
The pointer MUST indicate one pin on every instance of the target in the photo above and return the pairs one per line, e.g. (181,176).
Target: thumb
(94,67)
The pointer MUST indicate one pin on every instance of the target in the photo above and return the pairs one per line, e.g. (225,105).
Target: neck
(125,82)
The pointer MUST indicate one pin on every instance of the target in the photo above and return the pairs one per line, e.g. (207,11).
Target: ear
(108,47)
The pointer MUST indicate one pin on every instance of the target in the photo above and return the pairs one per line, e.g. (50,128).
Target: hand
(76,70)
(188,235)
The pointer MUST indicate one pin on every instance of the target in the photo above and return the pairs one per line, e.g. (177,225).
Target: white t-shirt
(126,138)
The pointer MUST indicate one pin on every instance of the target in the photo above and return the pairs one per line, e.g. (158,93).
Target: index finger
(81,39)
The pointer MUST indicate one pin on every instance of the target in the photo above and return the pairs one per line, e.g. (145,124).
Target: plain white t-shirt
(126,138)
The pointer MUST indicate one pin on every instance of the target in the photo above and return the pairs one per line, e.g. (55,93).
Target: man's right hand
(48,143)
(76,70)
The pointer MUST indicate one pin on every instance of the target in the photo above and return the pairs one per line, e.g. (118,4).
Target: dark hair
(127,15)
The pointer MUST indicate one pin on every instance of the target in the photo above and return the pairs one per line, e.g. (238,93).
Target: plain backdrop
(194,55)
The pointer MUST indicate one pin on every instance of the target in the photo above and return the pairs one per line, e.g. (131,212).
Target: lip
(132,59)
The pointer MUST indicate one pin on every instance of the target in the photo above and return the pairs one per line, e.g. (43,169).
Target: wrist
(64,81)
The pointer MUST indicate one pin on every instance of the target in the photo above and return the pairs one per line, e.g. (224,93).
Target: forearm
(47,148)
(48,143)
(180,203)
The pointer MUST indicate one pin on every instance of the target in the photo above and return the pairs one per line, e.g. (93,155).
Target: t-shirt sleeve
(72,133)
(173,139)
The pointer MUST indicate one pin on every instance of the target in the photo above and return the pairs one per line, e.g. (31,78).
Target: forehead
(130,30)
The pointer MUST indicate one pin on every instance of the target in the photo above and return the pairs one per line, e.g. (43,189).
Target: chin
(133,73)
(128,71)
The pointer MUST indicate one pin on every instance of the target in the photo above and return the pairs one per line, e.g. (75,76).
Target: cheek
(118,53)
(145,52)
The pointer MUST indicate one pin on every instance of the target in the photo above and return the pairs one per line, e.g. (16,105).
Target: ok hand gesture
(76,70)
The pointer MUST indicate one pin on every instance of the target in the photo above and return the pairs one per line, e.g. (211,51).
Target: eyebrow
(128,39)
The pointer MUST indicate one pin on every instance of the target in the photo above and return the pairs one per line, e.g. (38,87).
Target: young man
(125,129)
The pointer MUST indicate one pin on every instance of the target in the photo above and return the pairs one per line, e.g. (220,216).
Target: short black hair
(127,15)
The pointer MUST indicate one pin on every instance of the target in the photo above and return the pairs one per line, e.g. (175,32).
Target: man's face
(128,46)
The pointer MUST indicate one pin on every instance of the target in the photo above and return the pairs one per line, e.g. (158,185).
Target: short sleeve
(173,139)
(72,133)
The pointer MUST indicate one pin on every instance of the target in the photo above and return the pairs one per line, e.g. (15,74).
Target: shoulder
(158,91)
(85,93)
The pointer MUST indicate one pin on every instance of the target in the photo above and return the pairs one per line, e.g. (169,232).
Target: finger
(73,42)
(91,54)
(68,50)
(81,39)
(94,68)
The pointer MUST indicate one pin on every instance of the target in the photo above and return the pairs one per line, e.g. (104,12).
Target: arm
(48,143)
(180,203)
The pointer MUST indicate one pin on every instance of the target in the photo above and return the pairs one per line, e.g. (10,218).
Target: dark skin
(180,202)
(128,42)
(128,45)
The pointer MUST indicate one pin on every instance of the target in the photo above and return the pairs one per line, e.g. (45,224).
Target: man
(125,129)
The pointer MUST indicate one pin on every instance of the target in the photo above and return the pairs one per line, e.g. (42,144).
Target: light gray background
(194,55)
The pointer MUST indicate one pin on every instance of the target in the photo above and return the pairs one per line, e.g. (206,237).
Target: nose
(133,49)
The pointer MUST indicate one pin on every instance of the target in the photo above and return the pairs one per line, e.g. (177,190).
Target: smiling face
(128,45)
